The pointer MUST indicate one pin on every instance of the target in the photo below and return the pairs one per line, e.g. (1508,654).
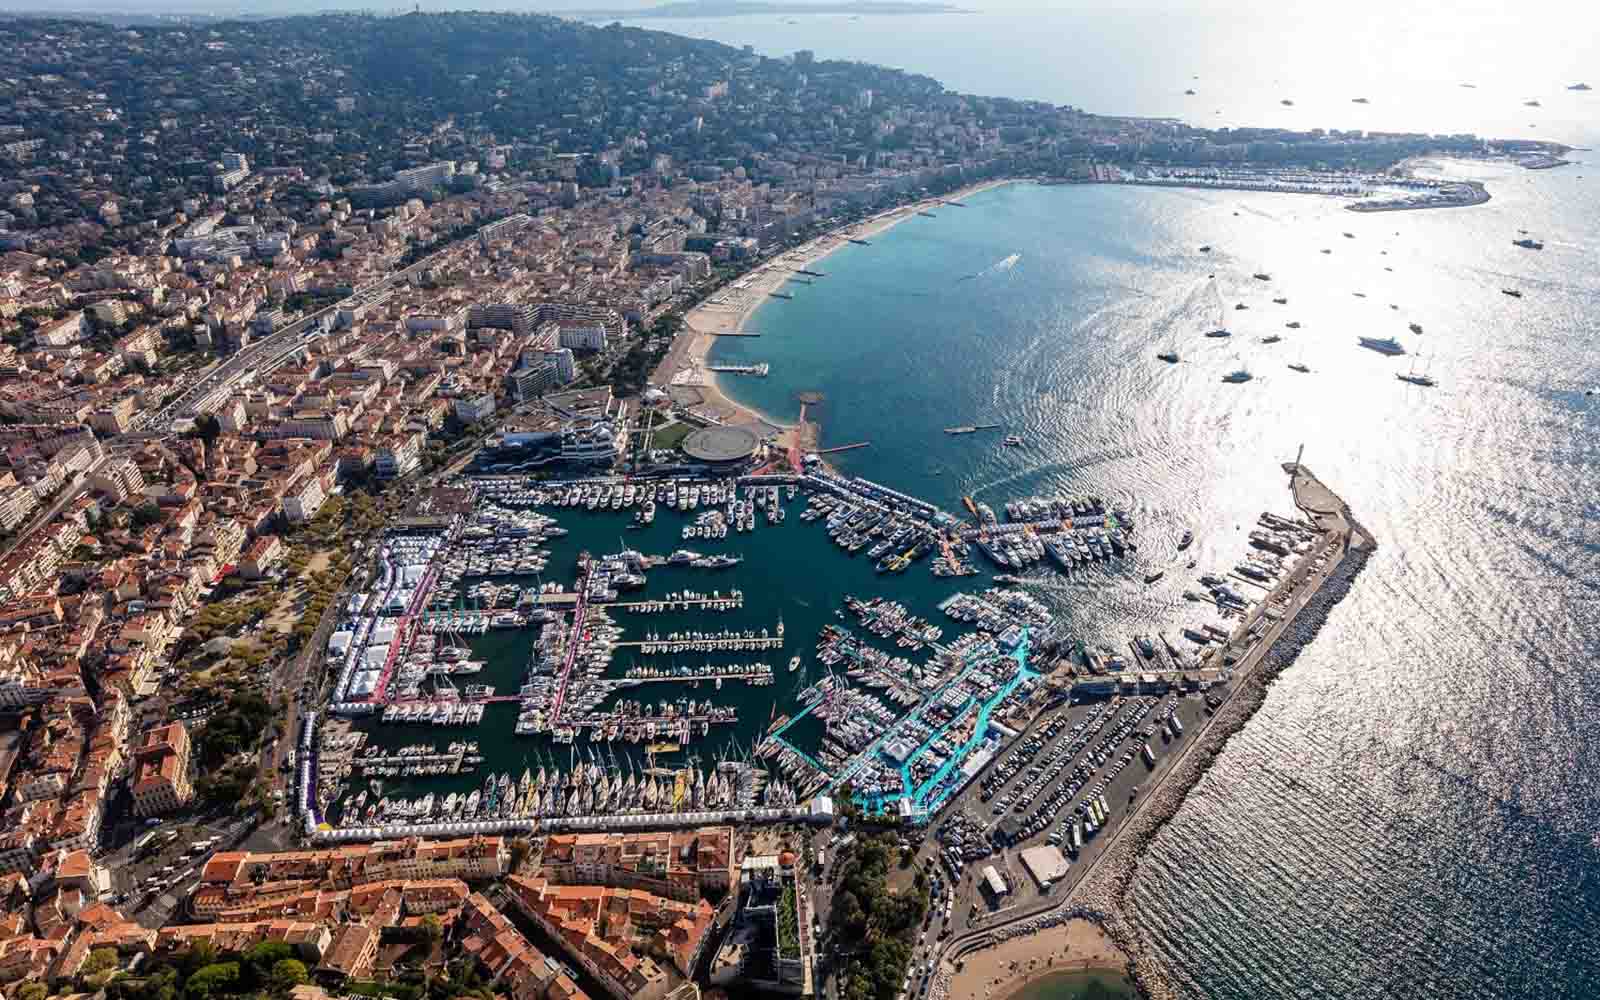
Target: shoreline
(1077,946)
(732,306)
(1103,896)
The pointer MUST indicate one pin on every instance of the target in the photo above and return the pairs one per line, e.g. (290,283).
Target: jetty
(734,333)
(845,447)
(762,369)
(1266,641)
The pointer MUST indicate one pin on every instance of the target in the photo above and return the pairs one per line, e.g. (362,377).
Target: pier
(845,447)
(761,370)
(1268,640)
(703,644)
(734,333)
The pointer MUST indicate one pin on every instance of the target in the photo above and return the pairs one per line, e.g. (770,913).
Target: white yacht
(1383,345)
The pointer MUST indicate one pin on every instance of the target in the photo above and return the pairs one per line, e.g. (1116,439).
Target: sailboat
(1417,378)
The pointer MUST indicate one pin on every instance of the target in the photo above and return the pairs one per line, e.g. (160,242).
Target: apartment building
(161,771)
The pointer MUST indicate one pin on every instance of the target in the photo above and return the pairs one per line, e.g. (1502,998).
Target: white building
(303,499)
(473,409)
(583,336)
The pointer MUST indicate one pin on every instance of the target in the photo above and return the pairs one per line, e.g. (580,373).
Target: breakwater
(1103,896)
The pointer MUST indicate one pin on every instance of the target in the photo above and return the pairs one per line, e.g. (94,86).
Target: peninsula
(1266,642)
(743,8)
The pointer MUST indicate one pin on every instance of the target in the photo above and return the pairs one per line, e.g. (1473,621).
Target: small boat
(1262,276)
(1271,338)
(1511,292)
(794,664)
(1012,441)
(1205,249)
(1171,357)
(1299,367)
(1237,376)
(1528,243)
(1281,301)
(1153,577)
(1219,332)
(1416,327)
(1293,324)
(1186,540)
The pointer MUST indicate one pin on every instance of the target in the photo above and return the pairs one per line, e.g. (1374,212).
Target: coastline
(1103,897)
(1006,969)
(730,308)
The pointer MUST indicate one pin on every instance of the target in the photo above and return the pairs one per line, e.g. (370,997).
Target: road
(269,351)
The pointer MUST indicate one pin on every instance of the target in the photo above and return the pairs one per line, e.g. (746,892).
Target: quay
(1267,640)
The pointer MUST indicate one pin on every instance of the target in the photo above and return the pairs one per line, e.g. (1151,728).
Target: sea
(1414,807)
(1413,811)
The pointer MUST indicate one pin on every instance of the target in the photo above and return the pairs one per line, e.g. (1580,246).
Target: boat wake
(999,267)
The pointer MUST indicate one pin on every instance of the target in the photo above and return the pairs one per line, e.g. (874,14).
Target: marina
(898,700)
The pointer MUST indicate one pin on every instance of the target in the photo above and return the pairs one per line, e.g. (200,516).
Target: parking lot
(1071,775)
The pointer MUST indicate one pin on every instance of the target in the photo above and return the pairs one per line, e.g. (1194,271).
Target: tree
(32,991)
(216,977)
(100,960)
(287,973)
(432,930)
(267,954)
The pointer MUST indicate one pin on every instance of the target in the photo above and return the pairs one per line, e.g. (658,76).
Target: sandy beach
(682,372)
(997,972)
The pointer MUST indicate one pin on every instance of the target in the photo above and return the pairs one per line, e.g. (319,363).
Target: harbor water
(1413,809)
